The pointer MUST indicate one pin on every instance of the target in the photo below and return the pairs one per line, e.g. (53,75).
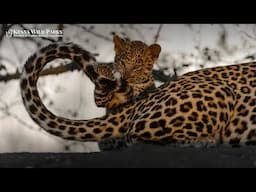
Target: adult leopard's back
(242,78)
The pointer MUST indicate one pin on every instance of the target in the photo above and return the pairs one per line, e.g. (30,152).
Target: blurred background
(185,47)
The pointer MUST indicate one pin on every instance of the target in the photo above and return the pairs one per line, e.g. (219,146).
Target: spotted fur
(134,62)
(211,105)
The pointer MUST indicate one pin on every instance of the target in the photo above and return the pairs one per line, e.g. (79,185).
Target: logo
(8,33)
(23,33)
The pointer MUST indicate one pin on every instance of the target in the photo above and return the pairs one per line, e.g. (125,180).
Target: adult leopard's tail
(83,130)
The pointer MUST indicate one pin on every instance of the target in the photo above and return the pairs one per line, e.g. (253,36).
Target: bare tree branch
(6,110)
(9,60)
(3,29)
(158,74)
(139,33)
(94,33)
(9,77)
(248,35)
(158,33)
(51,71)
(16,52)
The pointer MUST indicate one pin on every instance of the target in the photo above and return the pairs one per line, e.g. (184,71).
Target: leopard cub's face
(135,59)
(134,62)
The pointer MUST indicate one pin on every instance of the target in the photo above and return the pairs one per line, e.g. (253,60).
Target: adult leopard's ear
(154,50)
(118,43)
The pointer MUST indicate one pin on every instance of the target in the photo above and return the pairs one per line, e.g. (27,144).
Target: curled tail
(82,130)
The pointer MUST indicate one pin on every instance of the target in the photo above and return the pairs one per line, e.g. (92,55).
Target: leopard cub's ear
(119,43)
(155,50)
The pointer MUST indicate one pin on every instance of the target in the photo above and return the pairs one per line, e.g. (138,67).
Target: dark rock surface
(138,156)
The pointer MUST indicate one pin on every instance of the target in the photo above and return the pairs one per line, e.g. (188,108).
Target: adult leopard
(209,105)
